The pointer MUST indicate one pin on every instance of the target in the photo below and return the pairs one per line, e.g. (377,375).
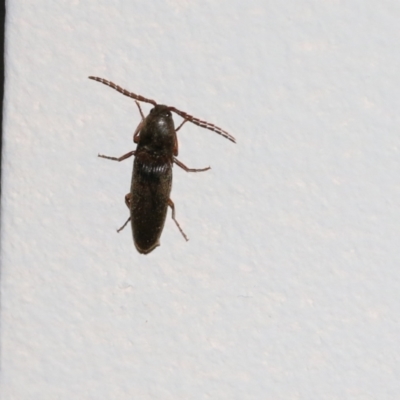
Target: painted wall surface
(289,285)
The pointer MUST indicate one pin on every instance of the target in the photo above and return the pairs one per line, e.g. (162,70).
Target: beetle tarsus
(172,205)
(124,225)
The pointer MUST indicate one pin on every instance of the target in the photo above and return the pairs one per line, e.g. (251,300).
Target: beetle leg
(137,132)
(128,204)
(172,205)
(139,127)
(124,225)
(122,158)
(180,126)
(128,200)
(183,166)
(140,109)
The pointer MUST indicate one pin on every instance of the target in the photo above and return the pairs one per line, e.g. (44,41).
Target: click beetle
(155,154)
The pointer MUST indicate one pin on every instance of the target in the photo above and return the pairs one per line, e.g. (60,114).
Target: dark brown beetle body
(156,151)
(152,178)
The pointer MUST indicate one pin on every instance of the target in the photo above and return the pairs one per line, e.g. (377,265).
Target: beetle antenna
(203,124)
(123,91)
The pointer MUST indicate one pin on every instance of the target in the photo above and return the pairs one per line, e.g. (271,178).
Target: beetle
(155,154)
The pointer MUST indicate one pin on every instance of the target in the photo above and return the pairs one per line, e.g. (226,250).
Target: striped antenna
(123,91)
(190,118)
(203,124)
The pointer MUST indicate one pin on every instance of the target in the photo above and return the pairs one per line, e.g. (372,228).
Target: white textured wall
(289,285)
